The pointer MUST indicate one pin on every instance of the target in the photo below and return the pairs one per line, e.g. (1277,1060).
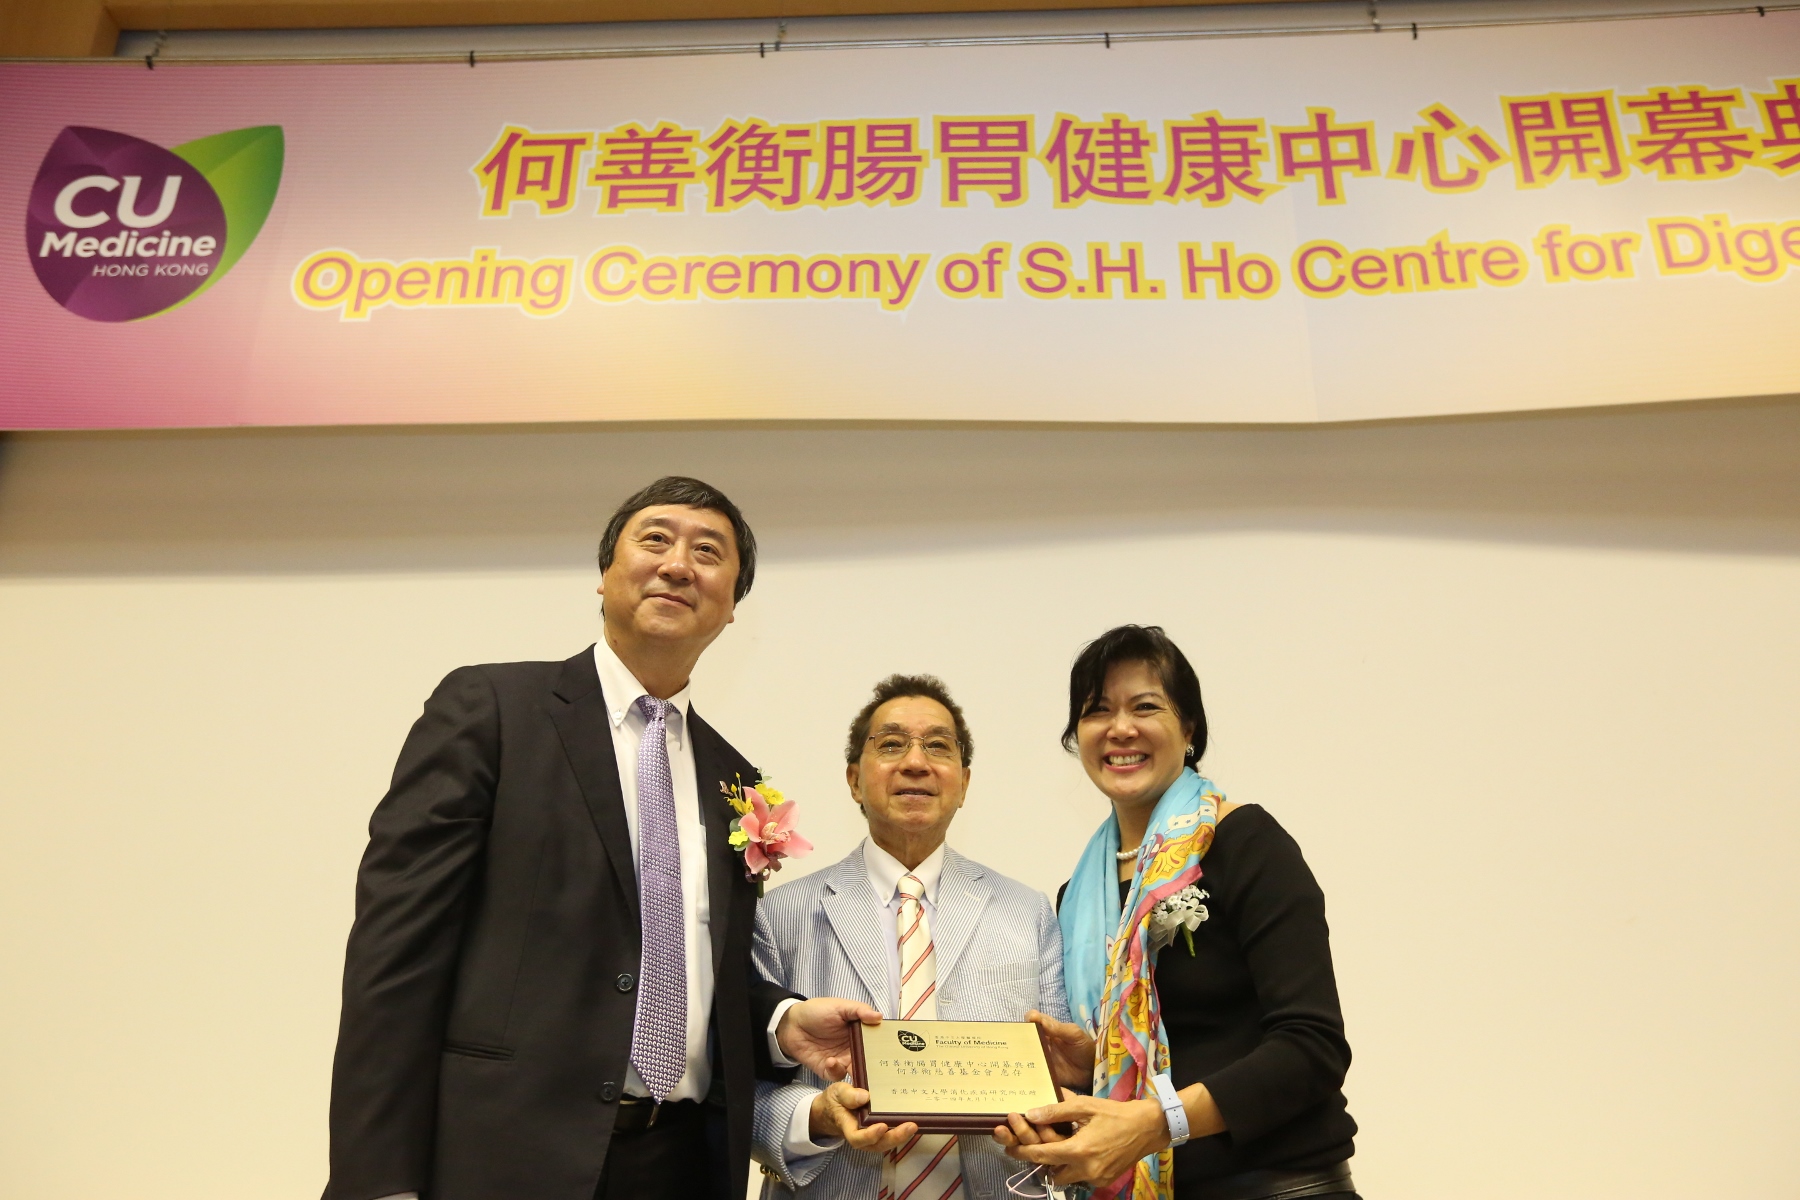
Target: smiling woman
(1220,1053)
(1136,714)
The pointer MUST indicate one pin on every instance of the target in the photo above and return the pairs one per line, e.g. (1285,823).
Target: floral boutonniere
(1184,911)
(763,829)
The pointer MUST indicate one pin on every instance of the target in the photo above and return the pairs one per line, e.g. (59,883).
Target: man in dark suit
(547,989)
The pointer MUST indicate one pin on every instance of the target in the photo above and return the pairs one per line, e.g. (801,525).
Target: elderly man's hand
(816,1033)
(834,1115)
(1071,1050)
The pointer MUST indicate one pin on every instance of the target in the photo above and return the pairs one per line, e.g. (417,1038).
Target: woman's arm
(1110,1135)
(1278,915)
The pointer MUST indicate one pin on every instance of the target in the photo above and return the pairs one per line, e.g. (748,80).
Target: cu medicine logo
(910,1040)
(119,228)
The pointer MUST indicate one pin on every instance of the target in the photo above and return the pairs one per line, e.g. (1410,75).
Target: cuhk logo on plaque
(119,228)
(910,1040)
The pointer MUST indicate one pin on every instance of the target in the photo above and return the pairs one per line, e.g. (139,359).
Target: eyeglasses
(892,747)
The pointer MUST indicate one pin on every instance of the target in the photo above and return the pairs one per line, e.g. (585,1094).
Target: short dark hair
(1136,643)
(692,493)
(894,687)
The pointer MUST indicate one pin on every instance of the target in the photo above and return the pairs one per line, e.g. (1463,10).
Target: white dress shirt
(621,689)
(884,872)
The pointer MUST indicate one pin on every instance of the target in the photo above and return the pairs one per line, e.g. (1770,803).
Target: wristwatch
(1174,1111)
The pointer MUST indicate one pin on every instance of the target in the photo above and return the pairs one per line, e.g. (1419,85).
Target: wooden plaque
(951,1076)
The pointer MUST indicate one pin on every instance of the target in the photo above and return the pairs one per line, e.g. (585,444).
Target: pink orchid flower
(771,831)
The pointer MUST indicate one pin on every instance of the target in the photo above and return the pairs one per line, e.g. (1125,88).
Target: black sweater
(1253,1013)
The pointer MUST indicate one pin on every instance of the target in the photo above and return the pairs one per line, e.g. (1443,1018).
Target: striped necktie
(929,1167)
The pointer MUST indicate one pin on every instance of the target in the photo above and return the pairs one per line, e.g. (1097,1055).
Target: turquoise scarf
(1108,965)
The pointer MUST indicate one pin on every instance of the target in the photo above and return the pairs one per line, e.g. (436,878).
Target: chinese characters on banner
(1680,132)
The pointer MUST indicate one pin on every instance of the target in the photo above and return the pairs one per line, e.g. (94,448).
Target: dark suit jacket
(490,979)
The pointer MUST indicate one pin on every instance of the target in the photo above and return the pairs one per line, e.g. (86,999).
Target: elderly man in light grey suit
(913,928)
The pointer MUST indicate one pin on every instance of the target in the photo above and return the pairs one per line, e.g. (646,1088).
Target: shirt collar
(621,689)
(885,871)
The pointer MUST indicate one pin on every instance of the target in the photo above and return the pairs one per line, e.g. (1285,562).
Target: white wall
(1523,689)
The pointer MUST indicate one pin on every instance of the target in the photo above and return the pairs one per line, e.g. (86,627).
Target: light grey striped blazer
(999,954)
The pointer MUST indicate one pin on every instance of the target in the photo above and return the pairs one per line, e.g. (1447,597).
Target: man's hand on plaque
(816,1033)
(1070,1048)
(834,1115)
(1109,1137)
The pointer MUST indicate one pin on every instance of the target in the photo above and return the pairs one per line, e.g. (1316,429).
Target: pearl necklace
(1128,855)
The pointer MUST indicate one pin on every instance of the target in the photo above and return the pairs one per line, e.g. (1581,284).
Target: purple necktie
(659,1040)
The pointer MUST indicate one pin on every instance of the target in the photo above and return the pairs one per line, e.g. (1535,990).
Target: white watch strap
(1173,1110)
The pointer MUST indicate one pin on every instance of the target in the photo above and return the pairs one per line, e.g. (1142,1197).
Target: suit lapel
(578,709)
(963,893)
(850,907)
(711,770)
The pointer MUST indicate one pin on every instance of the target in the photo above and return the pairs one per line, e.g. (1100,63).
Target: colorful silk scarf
(1108,964)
